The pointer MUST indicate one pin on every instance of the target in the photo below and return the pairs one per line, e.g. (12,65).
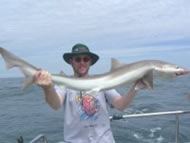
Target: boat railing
(177,113)
(39,139)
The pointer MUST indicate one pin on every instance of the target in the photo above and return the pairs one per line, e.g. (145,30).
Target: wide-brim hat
(80,49)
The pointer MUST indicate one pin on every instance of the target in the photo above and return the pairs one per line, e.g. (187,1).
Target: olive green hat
(80,49)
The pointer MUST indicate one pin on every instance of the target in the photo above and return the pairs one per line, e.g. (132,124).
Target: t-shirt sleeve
(110,94)
(60,90)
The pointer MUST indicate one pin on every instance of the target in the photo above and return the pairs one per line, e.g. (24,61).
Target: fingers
(37,76)
(42,78)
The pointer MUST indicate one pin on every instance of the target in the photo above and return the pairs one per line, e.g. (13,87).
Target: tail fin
(13,61)
(9,58)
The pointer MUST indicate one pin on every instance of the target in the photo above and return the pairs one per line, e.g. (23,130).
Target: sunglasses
(84,59)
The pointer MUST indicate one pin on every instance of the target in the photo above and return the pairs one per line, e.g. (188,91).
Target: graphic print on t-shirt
(88,107)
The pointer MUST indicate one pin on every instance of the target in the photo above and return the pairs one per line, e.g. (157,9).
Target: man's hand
(43,79)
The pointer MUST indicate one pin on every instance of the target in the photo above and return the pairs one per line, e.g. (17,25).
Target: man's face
(81,64)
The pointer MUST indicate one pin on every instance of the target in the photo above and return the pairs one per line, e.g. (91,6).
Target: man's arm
(122,102)
(43,79)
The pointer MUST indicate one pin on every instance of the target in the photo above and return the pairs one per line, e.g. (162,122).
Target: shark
(120,74)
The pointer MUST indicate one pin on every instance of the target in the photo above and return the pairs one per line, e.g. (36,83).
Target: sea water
(26,113)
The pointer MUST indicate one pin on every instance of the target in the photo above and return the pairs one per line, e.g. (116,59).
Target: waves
(26,113)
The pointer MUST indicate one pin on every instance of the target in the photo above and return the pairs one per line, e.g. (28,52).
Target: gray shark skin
(120,74)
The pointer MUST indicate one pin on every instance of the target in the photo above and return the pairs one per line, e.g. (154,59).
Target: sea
(25,113)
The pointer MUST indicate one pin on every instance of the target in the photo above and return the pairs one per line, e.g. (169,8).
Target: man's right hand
(43,79)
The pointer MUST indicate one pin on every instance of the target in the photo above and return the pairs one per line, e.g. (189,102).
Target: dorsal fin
(62,73)
(115,64)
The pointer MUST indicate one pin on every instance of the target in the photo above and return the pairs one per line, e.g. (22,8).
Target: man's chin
(82,73)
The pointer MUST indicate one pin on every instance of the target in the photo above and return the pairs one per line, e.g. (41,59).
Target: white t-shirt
(86,118)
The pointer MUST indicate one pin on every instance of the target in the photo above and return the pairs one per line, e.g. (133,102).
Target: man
(86,119)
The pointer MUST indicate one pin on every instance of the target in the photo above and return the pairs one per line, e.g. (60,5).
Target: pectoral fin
(148,79)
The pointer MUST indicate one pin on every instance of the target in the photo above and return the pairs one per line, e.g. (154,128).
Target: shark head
(171,70)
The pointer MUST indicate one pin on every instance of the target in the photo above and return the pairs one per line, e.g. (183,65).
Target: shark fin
(27,82)
(148,79)
(9,62)
(12,60)
(62,73)
(115,64)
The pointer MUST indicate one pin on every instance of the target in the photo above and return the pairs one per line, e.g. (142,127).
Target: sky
(40,31)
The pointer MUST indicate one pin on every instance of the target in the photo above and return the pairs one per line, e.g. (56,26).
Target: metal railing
(176,113)
(39,139)
(42,138)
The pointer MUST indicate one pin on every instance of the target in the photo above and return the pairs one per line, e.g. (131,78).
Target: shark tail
(28,80)
(12,61)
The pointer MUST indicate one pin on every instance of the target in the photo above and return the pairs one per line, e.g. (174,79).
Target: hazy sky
(40,31)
